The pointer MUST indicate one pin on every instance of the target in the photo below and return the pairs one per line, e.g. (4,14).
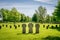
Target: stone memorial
(3,25)
(15,26)
(23,28)
(6,25)
(37,28)
(10,26)
(0,27)
(30,25)
(56,26)
(52,27)
(47,27)
(18,25)
(43,26)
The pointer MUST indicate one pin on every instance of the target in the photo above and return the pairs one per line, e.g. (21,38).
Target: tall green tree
(56,13)
(35,18)
(41,13)
(14,16)
(48,18)
(11,15)
(28,19)
(23,18)
(5,13)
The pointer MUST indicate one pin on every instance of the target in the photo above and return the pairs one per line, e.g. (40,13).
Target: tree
(14,16)
(5,13)
(41,13)
(28,19)
(10,15)
(56,13)
(23,18)
(35,18)
(48,18)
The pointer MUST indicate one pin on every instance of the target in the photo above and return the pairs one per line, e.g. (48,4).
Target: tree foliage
(13,16)
(56,13)
(40,14)
(48,18)
(35,18)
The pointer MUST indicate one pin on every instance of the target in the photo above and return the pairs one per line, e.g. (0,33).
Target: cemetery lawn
(7,33)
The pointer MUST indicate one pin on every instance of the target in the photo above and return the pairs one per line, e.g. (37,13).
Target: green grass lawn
(7,33)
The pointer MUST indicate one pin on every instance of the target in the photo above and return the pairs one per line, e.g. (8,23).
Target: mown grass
(7,33)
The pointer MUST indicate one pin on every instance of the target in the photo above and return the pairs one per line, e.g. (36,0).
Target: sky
(28,7)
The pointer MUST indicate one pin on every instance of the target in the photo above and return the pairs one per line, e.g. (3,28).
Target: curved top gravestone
(37,25)
(23,28)
(23,25)
(30,25)
(37,28)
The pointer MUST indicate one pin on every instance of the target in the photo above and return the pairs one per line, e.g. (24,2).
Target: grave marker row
(30,25)
(48,26)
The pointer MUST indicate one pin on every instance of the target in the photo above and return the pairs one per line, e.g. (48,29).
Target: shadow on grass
(38,38)
(22,33)
(27,33)
(51,38)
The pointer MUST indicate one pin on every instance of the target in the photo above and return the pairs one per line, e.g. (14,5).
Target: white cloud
(46,1)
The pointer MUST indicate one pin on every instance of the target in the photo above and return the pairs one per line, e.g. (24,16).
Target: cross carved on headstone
(37,28)
(30,25)
(23,28)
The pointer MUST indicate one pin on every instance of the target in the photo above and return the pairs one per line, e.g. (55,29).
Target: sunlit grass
(7,33)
